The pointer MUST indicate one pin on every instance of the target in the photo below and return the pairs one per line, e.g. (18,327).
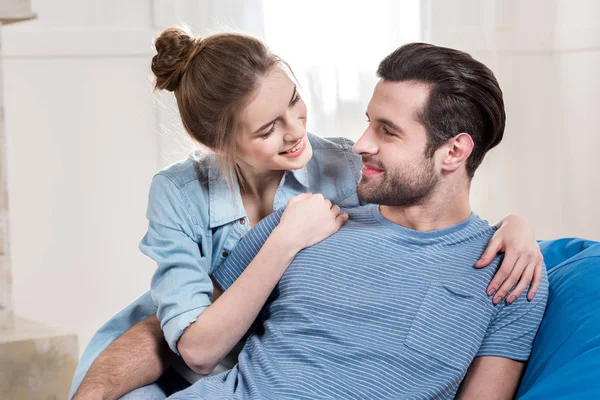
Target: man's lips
(370,170)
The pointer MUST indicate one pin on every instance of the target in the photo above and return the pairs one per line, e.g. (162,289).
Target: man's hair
(464,96)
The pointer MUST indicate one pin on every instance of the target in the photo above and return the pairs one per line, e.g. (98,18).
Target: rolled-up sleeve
(181,286)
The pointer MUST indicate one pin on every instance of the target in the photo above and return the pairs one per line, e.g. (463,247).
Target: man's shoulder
(458,252)
(474,229)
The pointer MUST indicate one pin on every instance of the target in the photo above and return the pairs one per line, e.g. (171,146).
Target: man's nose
(365,145)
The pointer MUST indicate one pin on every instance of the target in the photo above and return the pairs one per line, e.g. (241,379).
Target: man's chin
(365,193)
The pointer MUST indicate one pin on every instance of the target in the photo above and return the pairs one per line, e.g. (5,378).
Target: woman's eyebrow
(265,126)
(293,97)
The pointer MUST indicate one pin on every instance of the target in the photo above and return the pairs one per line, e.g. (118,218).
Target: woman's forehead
(269,100)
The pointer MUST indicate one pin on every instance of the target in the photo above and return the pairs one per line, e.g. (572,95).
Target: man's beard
(404,187)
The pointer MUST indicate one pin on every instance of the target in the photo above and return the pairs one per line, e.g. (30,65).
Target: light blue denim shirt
(195,220)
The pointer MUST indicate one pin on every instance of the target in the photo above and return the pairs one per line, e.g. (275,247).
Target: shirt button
(225,254)
(242,221)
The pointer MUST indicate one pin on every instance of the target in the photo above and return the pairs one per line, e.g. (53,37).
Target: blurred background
(85,133)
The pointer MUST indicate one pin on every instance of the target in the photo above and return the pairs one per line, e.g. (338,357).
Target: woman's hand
(523,261)
(310,218)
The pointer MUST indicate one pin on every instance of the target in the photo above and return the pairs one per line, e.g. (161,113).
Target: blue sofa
(565,361)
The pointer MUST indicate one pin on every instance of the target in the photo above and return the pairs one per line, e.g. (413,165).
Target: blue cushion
(565,361)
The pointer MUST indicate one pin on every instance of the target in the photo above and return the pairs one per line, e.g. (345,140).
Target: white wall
(546,55)
(85,135)
(82,148)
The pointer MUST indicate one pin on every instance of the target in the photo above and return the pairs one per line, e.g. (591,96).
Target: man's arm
(137,358)
(491,378)
(496,371)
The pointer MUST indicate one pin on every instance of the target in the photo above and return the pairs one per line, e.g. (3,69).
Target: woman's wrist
(285,242)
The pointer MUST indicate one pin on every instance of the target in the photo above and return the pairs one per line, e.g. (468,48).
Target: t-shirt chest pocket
(450,325)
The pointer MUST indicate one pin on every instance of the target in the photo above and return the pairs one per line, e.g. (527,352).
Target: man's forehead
(405,97)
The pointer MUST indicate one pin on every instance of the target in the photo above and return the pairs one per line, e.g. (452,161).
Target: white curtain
(546,56)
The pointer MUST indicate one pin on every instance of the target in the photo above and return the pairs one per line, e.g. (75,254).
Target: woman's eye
(267,134)
(296,99)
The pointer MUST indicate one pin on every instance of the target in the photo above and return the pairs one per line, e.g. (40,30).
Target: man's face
(396,171)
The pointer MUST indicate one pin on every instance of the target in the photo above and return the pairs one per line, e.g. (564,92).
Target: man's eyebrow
(385,121)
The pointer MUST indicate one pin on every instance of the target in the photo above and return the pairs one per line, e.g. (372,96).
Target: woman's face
(273,127)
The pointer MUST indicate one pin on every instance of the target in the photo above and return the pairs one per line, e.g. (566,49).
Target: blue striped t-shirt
(374,311)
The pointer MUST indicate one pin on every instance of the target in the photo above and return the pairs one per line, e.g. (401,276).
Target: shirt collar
(226,203)
(301,176)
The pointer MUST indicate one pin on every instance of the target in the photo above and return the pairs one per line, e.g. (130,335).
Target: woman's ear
(459,148)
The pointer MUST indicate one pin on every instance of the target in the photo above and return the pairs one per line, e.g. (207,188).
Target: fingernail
(497,299)
(491,292)
(511,299)
(531,296)
(478,263)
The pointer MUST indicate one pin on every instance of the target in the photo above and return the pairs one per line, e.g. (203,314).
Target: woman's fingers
(537,279)
(502,274)
(524,281)
(493,248)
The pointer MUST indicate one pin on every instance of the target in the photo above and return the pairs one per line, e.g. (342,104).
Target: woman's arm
(523,261)
(308,219)
(181,286)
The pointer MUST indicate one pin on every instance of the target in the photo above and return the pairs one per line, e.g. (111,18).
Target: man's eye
(386,132)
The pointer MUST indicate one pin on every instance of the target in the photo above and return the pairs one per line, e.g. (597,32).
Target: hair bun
(174,49)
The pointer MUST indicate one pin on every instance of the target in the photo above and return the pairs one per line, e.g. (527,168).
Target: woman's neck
(258,192)
(258,183)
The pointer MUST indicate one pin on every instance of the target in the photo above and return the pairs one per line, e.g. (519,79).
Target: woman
(236,98)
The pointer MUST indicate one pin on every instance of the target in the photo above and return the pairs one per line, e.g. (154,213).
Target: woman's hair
(212,78)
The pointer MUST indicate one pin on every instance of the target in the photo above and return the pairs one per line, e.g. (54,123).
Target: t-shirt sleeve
(243,254)
(511,333)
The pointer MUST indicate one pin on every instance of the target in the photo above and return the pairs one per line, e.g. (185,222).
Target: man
(389,306)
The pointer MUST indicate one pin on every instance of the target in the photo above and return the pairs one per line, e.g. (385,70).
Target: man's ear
(458,150)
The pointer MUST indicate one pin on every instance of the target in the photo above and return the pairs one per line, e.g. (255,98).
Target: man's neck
(442,210)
